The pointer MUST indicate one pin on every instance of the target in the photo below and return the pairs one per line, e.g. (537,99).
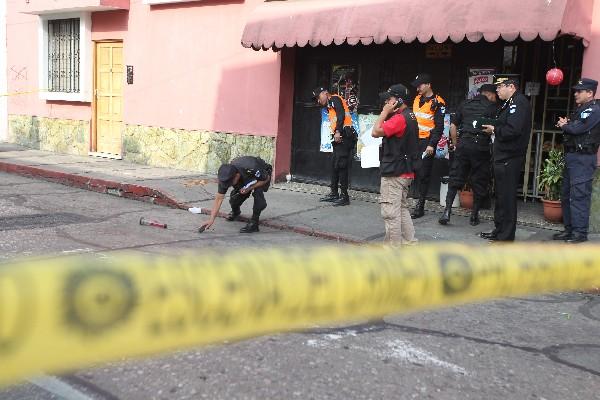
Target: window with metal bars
(63,55)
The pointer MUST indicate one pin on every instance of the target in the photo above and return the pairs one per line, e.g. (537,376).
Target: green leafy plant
(550,179)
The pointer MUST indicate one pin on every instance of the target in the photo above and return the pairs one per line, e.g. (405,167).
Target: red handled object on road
(150,222)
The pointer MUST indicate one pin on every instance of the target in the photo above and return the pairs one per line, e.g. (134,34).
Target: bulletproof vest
(472,110)
(592,137)
(400,153)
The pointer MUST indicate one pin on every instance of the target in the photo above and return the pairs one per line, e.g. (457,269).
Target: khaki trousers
(399,229)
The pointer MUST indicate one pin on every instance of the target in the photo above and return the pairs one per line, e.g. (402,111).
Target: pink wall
(190,70)
(22,44)
(591,55)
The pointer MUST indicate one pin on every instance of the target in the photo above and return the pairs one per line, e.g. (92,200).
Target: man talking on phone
(398,127)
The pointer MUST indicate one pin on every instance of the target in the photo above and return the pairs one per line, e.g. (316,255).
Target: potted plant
(550,182)
(466,197)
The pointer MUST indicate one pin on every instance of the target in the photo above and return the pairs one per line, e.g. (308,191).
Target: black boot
(234,215)
(419,210)
(493,235)
(576,237)
(344,200)
(564,235)
(445,218)
(332,196)
(252,225)
(474,220)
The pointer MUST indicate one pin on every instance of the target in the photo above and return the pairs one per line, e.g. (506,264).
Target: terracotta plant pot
(466,199)
(552,211)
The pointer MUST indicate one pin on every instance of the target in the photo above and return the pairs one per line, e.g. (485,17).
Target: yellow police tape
(22,93)
(69,313)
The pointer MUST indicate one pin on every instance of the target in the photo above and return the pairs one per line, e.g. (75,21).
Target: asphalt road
(527,348)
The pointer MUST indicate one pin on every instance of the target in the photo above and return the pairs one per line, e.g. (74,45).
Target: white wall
(3,74)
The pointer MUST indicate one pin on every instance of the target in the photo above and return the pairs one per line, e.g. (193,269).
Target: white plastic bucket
(444,191)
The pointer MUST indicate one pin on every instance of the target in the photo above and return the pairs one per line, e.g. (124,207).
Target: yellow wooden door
(109,98)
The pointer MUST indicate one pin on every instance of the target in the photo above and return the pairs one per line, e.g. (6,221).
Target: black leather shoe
(251,227)
(233,216)
(419,210)
(474,220)
(576,238)
(445,218)
(489,235)
(564,235)
(342,201)
(330,197)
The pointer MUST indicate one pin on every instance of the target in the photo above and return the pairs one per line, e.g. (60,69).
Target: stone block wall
(201,151)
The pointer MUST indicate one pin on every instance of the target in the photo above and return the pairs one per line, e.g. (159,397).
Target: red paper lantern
(554,77)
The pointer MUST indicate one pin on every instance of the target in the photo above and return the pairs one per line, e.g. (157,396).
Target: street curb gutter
(148,195)
(270,223)
(120,189)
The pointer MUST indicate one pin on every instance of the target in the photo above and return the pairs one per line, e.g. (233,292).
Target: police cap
(488,87)
(317,91)
(226,174)
(586,84)
(398,91)
(506,79)
(421,79)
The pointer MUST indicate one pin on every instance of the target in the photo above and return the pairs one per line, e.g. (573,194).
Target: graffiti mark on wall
(18,73)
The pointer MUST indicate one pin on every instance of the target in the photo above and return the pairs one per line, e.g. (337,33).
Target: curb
(148,195)
(269,223)
(120,189)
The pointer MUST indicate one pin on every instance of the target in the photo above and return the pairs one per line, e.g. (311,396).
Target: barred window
(63,55)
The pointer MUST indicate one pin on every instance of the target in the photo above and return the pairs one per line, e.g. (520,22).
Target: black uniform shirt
(250,169)
(584,119)
(513,129)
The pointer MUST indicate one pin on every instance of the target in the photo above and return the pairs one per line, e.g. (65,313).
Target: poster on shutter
(442,148)
(344,81)
(365,127)
(326,134)
(478,77)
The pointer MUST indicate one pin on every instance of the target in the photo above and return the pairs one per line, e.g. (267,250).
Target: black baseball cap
(487,87)
(226,174)
(398,91)
(317,91)
(586,84)
(506,79)
(421,79)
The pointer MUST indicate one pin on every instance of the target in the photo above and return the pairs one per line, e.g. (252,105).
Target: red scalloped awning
(278,24)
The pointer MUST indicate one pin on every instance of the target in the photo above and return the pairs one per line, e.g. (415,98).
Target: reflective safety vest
(425,114)
(333,117)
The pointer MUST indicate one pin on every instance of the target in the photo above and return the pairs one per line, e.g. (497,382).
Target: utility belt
(581,148)
(473,135)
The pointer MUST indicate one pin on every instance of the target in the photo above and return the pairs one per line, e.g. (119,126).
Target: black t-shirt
(250,169)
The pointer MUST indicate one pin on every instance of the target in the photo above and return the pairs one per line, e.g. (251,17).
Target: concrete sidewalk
(292,206)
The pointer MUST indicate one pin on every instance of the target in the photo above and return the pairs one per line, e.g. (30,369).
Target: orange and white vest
(425,115)
(333,117)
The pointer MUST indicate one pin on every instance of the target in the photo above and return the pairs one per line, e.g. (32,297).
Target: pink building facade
(194,96)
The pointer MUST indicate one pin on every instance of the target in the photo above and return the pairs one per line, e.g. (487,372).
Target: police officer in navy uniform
(581,140)
(344,139)
(510,135)
(247,175)
(472,150)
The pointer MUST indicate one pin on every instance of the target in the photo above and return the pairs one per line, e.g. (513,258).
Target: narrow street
(522,348)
